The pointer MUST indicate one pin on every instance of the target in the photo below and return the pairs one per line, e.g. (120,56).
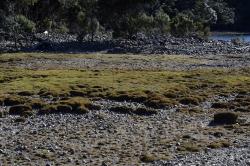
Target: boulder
(225,118)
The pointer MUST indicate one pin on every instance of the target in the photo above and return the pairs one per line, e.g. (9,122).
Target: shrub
(182,25)
(162,21)
(25,24)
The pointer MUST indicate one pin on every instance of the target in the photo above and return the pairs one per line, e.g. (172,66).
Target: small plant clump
(148,158)
(189,101)
(189,147)
(219,144)
(76,105)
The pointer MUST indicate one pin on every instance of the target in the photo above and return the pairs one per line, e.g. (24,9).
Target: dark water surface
(229,37)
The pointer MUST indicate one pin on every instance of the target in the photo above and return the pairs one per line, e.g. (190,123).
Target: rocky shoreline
(138,45)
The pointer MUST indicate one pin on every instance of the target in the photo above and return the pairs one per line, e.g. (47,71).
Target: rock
(225,118)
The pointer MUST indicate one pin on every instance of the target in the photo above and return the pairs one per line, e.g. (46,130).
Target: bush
(182,25)
(25,24)
(162,21)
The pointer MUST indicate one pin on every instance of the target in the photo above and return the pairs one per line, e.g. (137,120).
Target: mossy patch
(76,102)
(219,144)
(22,110)
(14,100)
(149,158)
(189,101)
(188,147)
(74,105)
(153,88)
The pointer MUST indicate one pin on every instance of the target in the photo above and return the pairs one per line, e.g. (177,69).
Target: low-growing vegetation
(71,89)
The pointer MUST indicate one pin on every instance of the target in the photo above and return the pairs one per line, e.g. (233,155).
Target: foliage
(123,18)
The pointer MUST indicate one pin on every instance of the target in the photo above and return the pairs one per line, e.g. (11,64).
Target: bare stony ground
(127,61)
(102,137)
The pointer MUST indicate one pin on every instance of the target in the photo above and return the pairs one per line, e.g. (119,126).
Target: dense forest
(124,18)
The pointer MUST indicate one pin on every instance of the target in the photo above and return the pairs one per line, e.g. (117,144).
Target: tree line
(124,18)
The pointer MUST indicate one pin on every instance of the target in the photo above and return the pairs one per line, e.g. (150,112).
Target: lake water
(229,37)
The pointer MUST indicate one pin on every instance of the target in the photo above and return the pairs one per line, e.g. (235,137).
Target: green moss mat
(165,86)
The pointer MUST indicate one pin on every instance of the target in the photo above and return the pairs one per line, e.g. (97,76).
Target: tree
(182,25)
(162,21)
